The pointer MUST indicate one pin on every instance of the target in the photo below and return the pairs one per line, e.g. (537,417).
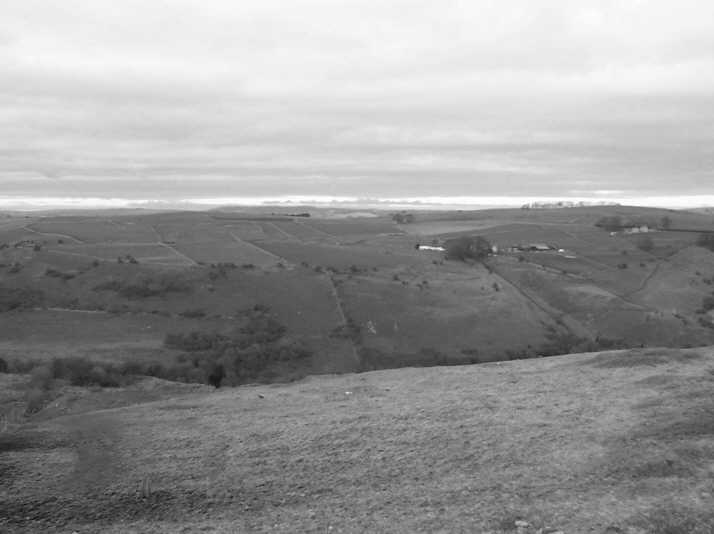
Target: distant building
(638,229)
(539,247)
(430,247)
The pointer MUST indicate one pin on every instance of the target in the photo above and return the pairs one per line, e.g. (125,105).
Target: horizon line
(35,203)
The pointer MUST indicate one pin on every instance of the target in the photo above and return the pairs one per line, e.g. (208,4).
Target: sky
(207,101)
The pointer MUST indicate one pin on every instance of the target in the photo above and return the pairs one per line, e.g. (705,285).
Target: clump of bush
(372,359)
(563,342)
(645,243)
(465,247)
(350,330)
(220,270)
(147,286)
(193,314)
(257,349)
(611,223)
(54,273)
(18,298)
(706,241)
(707,305)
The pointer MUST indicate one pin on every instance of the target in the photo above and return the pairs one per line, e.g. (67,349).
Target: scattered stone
(522,524)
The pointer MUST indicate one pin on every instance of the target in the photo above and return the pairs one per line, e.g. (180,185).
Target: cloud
(374,97)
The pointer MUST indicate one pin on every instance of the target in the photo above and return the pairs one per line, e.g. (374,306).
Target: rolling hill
(606,442)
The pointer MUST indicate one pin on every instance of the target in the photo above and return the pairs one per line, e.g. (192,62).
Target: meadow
(134,343)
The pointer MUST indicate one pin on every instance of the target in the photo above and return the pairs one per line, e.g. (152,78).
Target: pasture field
(300,230)
(225,251)
(95,229)
(143,252)
(352,228)
(601,286)
(343,256)
(680,283)
(70,327)
(461,313)
(14,234)
(449,227)
(603,442)
(666,243)
(609,442)
(246,230)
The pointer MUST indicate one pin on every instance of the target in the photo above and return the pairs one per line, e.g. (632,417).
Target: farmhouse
(639,229)
(430,247)
(539,247)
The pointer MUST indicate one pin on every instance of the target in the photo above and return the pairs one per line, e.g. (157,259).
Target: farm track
(66,252)
(264,251)
(180,254)
(286,234)
(645,281)
(47,234)
(72,310)
(319,230)
(341,313)
(144,261)
(313,229)
(573,326)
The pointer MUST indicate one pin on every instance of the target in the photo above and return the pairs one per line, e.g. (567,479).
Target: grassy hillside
(604,443)
(355,290)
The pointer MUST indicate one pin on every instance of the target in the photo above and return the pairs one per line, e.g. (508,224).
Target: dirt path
(65,236)
(180,254)
(645,281)
(341,313)
(573,326)
(286,234)
(286,262)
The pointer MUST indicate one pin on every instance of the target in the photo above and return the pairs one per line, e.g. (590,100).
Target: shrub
(54,273)
(610,223)
(349,330)
(645,243)
(708,303)
(193,314)
(4,368)
(706,241)
(83,372)
(465,247)
(147,286)
(195,341)
(41,377)
(109,285)
(36,399)
(20,298)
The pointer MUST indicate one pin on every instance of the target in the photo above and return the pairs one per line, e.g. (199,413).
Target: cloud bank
(356,98)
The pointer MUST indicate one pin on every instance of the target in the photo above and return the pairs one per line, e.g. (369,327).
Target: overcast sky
(381,98)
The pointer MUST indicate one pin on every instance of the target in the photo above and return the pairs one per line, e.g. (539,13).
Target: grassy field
(603,443)
(598,287)
(450,309)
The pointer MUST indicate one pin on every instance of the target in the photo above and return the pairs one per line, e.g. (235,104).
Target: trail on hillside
(47,234)
(559,317)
